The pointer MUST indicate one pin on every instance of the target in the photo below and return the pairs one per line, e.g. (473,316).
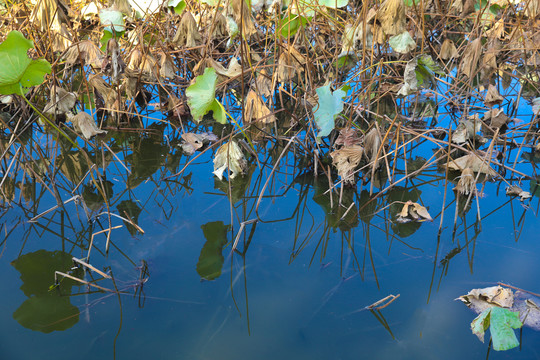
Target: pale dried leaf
(493,97)
(229,156)
(448,50)
(346,160)
(391,16)
(466,183)
(256,110)
(187,34)
(84,123)
(475,162)
(471,56)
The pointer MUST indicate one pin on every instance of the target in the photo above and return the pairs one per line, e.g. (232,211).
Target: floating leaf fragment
(412,211)
(493,97)
(500,323)
(475,162)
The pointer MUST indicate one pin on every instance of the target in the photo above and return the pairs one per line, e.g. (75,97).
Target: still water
(296,285)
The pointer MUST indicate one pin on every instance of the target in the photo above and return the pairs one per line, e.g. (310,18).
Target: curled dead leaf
(471,57)
(474,162)
(448,50)
(346,160)
(391,16)
(466,183)
(256,110)
(412,211)
(61,101)
(87,51)
(187,34)
(84,123)
(515,190)
(289,62)
(229,156)
(493,97)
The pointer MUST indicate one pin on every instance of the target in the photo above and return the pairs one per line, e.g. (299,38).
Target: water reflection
(45,310)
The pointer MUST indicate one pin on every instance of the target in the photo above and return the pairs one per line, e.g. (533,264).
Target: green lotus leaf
(202,97)
(330,105)
(16,68)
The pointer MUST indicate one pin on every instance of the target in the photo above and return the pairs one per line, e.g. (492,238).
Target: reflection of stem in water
(121,316)
(379,316)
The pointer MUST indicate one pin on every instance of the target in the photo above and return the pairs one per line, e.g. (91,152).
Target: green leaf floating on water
(330,105)
(202,97)
(500,322)
(16,68)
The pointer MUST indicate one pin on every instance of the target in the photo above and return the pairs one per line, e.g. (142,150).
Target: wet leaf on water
(211,258)
(16,68)
(501,323)
(412,211)
(475,162)
(229,156)
(84,123)
(515,190)
(202,97)
(330,105)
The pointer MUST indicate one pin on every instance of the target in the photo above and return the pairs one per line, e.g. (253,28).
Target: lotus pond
(261,180)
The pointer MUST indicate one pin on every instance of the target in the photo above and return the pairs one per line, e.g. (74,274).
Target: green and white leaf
(501,323)
(330,105)
(202,97)
(16,68)
(402,43)
(112,19)
(178,5)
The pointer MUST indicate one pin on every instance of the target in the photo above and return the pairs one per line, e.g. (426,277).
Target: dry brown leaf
(61,101)
(474,162)
(167,69)
(496,118)
(48,15)
(467,129)
(187,34)
(346,160)
(263,84)
(391,17)
(412,211)
(288,63)
(256,110)
(233,70)
(493,97)
(347,137)
(242,15)
(488,297)
(448,50)
(372,144)
(89,53)
(471,56)
(84,123)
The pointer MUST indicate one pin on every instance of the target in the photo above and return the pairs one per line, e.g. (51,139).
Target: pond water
(297,283)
